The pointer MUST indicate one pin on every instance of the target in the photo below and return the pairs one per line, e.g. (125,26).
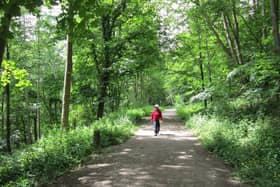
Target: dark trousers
(156,126)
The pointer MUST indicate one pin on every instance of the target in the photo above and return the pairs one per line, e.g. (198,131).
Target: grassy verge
(59,151)
(252,147)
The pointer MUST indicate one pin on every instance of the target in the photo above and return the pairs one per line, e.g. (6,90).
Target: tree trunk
(136,89)
(8,122)
(235,31)
(4,30)
(38,122)
(56,111)
(105,72)
(264,28)
(67,86)
(35,129)
(38,84)
(142,88)
(201,66)
(202,76)
(275,25)
(104,81)
(209,66)
(3,114)
(24,130)
(228,37)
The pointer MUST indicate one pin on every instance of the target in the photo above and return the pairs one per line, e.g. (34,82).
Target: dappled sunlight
(96,166)
(174,158)
(175,166)
(185,157)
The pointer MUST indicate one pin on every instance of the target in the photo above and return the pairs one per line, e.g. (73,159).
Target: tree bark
(104,81)
(24,129)
(275,25)
(105,72)
(3,114)
(67,86)
(8,122)
(228,36)
(264,28)
(235,31)
(35,129)
(136,88)
(209,66)
(201,69)
(4,31)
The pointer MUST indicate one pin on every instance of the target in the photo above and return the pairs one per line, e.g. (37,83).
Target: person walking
(156,117)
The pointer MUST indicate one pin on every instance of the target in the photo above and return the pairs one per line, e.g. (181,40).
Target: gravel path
(174,158)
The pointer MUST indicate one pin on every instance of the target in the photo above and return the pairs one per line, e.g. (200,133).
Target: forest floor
(174,158)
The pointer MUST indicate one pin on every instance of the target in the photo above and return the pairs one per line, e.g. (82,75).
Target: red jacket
(156,115)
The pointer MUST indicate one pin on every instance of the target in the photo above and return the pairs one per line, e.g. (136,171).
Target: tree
(69,19)
(275,25)
(10,9)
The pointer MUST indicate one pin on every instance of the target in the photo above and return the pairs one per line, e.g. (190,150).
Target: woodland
(71,67)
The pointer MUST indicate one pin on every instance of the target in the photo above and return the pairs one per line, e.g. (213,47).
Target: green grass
(250,146)
(59,151)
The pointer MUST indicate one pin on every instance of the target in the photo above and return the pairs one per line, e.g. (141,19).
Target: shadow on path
(174,158)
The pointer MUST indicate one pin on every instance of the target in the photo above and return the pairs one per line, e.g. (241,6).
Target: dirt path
(174,158)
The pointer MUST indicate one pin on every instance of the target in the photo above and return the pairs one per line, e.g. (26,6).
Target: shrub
(250,146)
(59,151)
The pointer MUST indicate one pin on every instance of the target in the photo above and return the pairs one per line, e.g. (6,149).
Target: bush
(59,151)
(185,112)
(250,146)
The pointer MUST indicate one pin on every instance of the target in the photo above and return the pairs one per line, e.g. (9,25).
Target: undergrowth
(59,151)
(251,145)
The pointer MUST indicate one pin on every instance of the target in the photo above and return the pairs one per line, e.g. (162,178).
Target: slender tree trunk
(24,130)
(142,88)
(49,108)
(264,28)
(136,88)
(8,122)
(38,122)
(202,76)
(235,31)
(2,114)
(228,37)
(35,129)
(209,66)
(201,67)
(38,85)
(275,25)
(55,111)
(4,30)
(105,73)
(104,81)
(67,86)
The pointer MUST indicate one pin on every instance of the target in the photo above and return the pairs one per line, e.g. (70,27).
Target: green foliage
(80,115)
(59,151)
(185,112)
(12,72)
(250,146)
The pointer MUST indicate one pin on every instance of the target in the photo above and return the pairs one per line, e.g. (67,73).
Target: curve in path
(174,158)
